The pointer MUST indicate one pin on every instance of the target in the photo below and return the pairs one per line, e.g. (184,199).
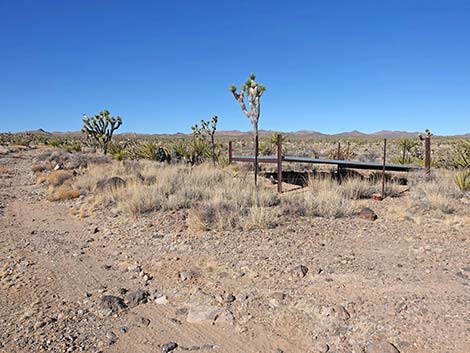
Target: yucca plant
(461,154)
(462,180)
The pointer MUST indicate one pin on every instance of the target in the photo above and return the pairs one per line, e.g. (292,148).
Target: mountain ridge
(262,133)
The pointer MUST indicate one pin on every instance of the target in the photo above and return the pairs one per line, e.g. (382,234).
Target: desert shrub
(58,177)
(215,197)
(62,192)
(54,142)
(462,180)
(327,199)
(38,168)
(437,192)
(368,156)
(461,154)
(74,146)
(120,156)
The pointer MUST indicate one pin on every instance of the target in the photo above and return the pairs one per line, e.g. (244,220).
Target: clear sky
(162,66)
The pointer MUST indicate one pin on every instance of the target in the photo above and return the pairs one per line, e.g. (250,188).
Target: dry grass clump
(62,192)
(214,196)
(327,198)
(59,177)
(437,192)
(3,170)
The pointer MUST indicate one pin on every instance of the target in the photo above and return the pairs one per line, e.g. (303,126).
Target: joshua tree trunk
(256,156)
(213,149)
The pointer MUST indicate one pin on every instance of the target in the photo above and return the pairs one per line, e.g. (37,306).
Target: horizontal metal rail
(339,163)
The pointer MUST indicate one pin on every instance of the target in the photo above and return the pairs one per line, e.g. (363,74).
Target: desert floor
(395,282)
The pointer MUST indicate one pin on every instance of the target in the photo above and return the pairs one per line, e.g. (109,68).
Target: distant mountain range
(262,133)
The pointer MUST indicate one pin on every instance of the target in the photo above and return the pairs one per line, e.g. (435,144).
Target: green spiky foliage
(253,91)
(461,154)
(406,146)
(208,128)
(198,151)
(462,180)
(100,128)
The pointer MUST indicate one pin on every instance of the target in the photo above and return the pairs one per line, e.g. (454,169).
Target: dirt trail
(49,263)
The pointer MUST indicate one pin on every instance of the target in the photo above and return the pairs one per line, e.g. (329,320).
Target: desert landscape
(101,253)
(234,177)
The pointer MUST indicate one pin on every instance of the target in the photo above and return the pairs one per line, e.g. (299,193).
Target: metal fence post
(279,163)
(427,154)
(230,152)
(383,169)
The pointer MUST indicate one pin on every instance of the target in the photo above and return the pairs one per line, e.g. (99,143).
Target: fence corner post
(279,163)
(427,153)
(383,169)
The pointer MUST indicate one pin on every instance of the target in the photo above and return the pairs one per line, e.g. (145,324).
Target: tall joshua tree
(101,127)
(254,92)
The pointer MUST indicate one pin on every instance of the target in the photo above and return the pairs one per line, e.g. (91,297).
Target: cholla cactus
(254,92)
(101,127)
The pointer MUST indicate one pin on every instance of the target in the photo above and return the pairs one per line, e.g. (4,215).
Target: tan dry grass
(215,197)
(59,177)
(62,192)
(438,192)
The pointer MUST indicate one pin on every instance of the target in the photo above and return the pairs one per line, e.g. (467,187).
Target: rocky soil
(113,284)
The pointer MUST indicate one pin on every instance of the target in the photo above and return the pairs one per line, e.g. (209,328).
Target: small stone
(204,313)
(381,347)
(112,338)
(161,300)
(124,329)
(300,271)
(111,302)
(168,347)
(95,230)
(337,311)
(143,321)
(323,348)
(134,268)
(181,311)
(190,274)
(231,298)
(277,299)
(367,213)
(137,297)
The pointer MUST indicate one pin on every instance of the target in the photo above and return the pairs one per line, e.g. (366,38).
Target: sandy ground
(386,286)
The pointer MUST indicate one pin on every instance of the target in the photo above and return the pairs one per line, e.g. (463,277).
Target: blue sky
(330,66)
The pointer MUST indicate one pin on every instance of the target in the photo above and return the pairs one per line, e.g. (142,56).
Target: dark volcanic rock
(111,302)
(367,213)
(137,297)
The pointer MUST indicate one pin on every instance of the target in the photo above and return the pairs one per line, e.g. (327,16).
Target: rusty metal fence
(279,158)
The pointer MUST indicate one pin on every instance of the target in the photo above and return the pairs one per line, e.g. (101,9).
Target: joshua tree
(210,128)
(406,145)
(207,128)
(254,92)
(101,127)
